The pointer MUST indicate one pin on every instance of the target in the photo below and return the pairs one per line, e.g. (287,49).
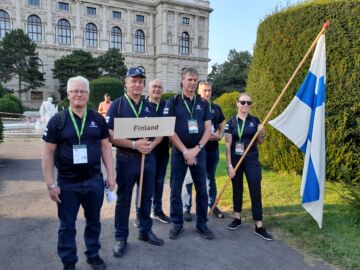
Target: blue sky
(233,25)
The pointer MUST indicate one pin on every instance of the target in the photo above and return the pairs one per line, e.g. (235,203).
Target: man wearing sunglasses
(75,140)
(192,131)
(212,154)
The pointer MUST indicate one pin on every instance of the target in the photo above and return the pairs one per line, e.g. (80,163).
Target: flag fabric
(303,122)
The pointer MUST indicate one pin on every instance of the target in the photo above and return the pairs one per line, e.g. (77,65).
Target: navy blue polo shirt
(250,128)
(121,108)
(217,117)
(175,106)
(162,149)
(65,138)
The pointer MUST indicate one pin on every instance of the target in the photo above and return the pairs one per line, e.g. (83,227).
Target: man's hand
(191,153)
(231,171)
(144,146)
(111,183)
(215,136)
(54,194)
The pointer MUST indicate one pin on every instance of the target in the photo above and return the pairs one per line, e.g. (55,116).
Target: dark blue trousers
(198,174)
(252,169)
(89,194)
(212,160)
(161,166)
(127,174)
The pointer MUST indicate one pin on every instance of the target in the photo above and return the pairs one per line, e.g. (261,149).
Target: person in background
(239,131)
(104,105)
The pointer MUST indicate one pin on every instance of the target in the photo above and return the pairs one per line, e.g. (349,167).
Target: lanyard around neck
(157,104)
(132,106)
(240,132)
(78,133)
(187,106)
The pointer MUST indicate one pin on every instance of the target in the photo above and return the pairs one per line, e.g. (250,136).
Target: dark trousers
(198,174)
(127,174)
(212,160)
(252,169)
(161,166)
(89,194)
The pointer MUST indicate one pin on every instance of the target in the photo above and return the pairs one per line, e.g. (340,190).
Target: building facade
(162,36)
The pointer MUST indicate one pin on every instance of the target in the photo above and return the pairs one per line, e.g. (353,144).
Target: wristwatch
(201,146)
(52,186)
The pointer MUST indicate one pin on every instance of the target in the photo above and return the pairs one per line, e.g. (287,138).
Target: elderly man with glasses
(75,140)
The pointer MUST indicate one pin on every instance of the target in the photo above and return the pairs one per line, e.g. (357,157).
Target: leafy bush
(282,40)
(227,102)
(9,106)
(103,85)
(16,100)
(168,95)
(2,90)
(352,197)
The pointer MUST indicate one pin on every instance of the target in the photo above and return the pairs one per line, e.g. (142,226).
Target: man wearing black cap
(128,162)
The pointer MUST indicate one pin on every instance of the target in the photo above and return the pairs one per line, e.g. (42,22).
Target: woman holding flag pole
(239,131)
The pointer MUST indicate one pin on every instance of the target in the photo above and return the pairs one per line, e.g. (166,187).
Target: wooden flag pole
(325,26)
(141,177)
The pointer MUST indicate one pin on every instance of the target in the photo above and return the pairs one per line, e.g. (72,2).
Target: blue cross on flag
(303,122)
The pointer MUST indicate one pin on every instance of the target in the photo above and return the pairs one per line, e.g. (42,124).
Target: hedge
(282,40)
(16,100)
(64,104)
(227,102)
(9,106)
(103,85)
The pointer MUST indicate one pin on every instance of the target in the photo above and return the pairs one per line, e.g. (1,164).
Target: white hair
(78,79)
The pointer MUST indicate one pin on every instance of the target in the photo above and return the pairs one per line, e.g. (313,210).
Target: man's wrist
(133,145)
(51,186)
(230,165)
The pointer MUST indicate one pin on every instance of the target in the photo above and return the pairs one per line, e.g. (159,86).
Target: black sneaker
(205,232)
(175,232)
(187,215)
(97,263)
(161,217)
(234,224)
(263,233)
(69,266)
(217,213)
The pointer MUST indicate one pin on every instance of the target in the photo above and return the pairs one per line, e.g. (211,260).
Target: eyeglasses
(243,102)
(79,92)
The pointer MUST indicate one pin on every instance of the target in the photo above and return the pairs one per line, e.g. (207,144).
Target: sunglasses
(243,102)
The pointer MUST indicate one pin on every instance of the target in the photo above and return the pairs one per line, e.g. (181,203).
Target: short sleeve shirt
(217,117)
(250,128)
(122,108)
(65,138)
(201,113)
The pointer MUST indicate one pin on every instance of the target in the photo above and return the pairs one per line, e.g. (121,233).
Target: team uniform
(128,164)
(190,127)
(242,133)
(80,180)
(212,159)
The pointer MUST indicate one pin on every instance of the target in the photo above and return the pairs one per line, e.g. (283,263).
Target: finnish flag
(303,122)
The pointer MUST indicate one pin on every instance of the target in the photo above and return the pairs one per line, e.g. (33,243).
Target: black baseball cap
(135,72)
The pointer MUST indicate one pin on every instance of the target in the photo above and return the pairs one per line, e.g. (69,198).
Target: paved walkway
(28,230)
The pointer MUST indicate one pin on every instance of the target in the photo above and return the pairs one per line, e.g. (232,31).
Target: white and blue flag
(303,122)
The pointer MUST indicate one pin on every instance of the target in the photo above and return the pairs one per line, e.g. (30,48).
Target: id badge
(239,148)
(212,129)
(193,126)
(80,154)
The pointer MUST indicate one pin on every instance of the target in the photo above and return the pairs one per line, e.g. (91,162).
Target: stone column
(49,34)
(18,15)
(129,33)
(78,31)
(104,44)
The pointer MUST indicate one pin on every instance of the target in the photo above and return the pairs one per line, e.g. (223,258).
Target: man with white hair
(75,140)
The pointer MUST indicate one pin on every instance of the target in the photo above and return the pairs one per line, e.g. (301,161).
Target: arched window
(184,43)
(91,35)
(34,28)
(64,32)
(116,39)
(139,41)
(4,23)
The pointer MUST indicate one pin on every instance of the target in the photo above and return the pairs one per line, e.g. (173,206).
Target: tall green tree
(77,63)
(112,64)
(232,74)
(18,57)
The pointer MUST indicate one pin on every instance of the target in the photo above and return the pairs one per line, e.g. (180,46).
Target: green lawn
(338,242)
